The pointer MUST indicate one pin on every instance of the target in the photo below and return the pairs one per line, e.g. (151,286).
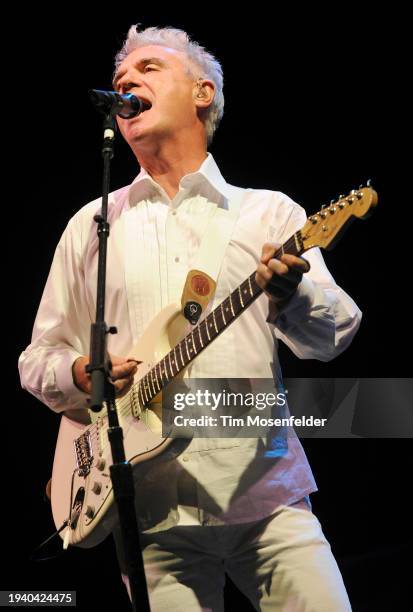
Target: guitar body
(85,493)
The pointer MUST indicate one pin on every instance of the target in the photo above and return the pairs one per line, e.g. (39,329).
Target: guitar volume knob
(97,487)
(101,463)
(90,511)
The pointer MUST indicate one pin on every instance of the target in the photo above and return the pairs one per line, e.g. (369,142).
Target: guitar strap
(201,281)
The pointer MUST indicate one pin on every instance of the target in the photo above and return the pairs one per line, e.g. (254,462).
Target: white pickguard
(142,440)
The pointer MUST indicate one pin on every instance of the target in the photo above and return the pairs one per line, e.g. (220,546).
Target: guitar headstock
(325,227)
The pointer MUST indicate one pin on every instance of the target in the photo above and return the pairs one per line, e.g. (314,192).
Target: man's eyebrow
(142,63)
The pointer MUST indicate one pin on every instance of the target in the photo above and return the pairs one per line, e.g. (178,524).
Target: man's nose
(124,86)
(127,83)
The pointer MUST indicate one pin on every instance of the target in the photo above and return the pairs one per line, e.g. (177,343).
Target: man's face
(159,76)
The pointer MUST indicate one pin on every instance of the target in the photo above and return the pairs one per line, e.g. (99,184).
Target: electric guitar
(81,490)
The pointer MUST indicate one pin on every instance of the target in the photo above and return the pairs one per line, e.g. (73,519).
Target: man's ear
(204,92)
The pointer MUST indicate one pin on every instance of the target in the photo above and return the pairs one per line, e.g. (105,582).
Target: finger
(275,273)
(120,360)
(278,267)
(298,263)
(268,250)
(125,370)
(264,272)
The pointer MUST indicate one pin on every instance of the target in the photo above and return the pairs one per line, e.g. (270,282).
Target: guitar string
(290,242)
(124,404)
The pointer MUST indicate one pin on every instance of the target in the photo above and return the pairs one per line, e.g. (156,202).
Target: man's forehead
(167,54)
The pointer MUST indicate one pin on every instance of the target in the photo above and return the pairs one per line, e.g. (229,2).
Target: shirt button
(176,259)
(174,212)
(185,458)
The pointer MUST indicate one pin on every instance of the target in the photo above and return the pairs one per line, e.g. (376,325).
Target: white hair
(202,59)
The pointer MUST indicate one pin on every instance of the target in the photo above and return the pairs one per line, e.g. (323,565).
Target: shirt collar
(207,181)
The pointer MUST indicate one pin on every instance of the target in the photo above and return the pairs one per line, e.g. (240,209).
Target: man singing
(227,505)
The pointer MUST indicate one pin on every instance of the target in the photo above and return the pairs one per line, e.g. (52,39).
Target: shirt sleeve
(61,329)
(320,320)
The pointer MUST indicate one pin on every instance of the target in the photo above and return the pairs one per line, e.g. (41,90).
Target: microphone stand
(103,390)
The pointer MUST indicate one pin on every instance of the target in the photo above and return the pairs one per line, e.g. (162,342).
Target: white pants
(281,563)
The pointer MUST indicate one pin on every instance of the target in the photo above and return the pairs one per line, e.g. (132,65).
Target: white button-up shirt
(152,246)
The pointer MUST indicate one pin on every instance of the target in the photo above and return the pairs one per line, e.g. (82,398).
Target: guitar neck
(322,229)
(208,330)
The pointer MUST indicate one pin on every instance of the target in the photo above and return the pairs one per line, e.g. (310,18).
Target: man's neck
(167,168)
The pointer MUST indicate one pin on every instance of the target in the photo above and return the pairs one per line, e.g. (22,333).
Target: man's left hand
(279,278)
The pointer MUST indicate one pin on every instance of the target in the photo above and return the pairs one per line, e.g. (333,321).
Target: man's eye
(148,68)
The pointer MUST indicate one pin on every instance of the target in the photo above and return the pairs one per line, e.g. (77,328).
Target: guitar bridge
(83,454)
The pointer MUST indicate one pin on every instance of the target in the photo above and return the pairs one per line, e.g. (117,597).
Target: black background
(313,108)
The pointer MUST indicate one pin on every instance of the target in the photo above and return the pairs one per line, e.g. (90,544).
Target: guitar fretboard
(207,330)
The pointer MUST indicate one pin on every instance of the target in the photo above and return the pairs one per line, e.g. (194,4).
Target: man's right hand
(123,371)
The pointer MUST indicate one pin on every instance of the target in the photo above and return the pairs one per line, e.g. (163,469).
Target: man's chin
(145,133)
(137,133)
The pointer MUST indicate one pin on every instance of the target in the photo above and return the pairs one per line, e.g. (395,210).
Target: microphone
(124,105)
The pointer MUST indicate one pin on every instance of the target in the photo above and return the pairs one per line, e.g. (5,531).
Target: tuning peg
(369,183)
(361,186)
(332,201)
(341,196)
(323,206)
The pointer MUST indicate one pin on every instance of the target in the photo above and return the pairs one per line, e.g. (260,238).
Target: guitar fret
(156,377)
(237,301)
(170,365)
(227,309)
(157,370)
(186,348)
(230,302)
(176,360)
(222,312)
(200,336)
(297,243)
(193,343)
(215,323)
(211,322)
(182,358)
(165,369)
(240,296)
(207,330)
(250,287)
(151,381)
(164,373)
